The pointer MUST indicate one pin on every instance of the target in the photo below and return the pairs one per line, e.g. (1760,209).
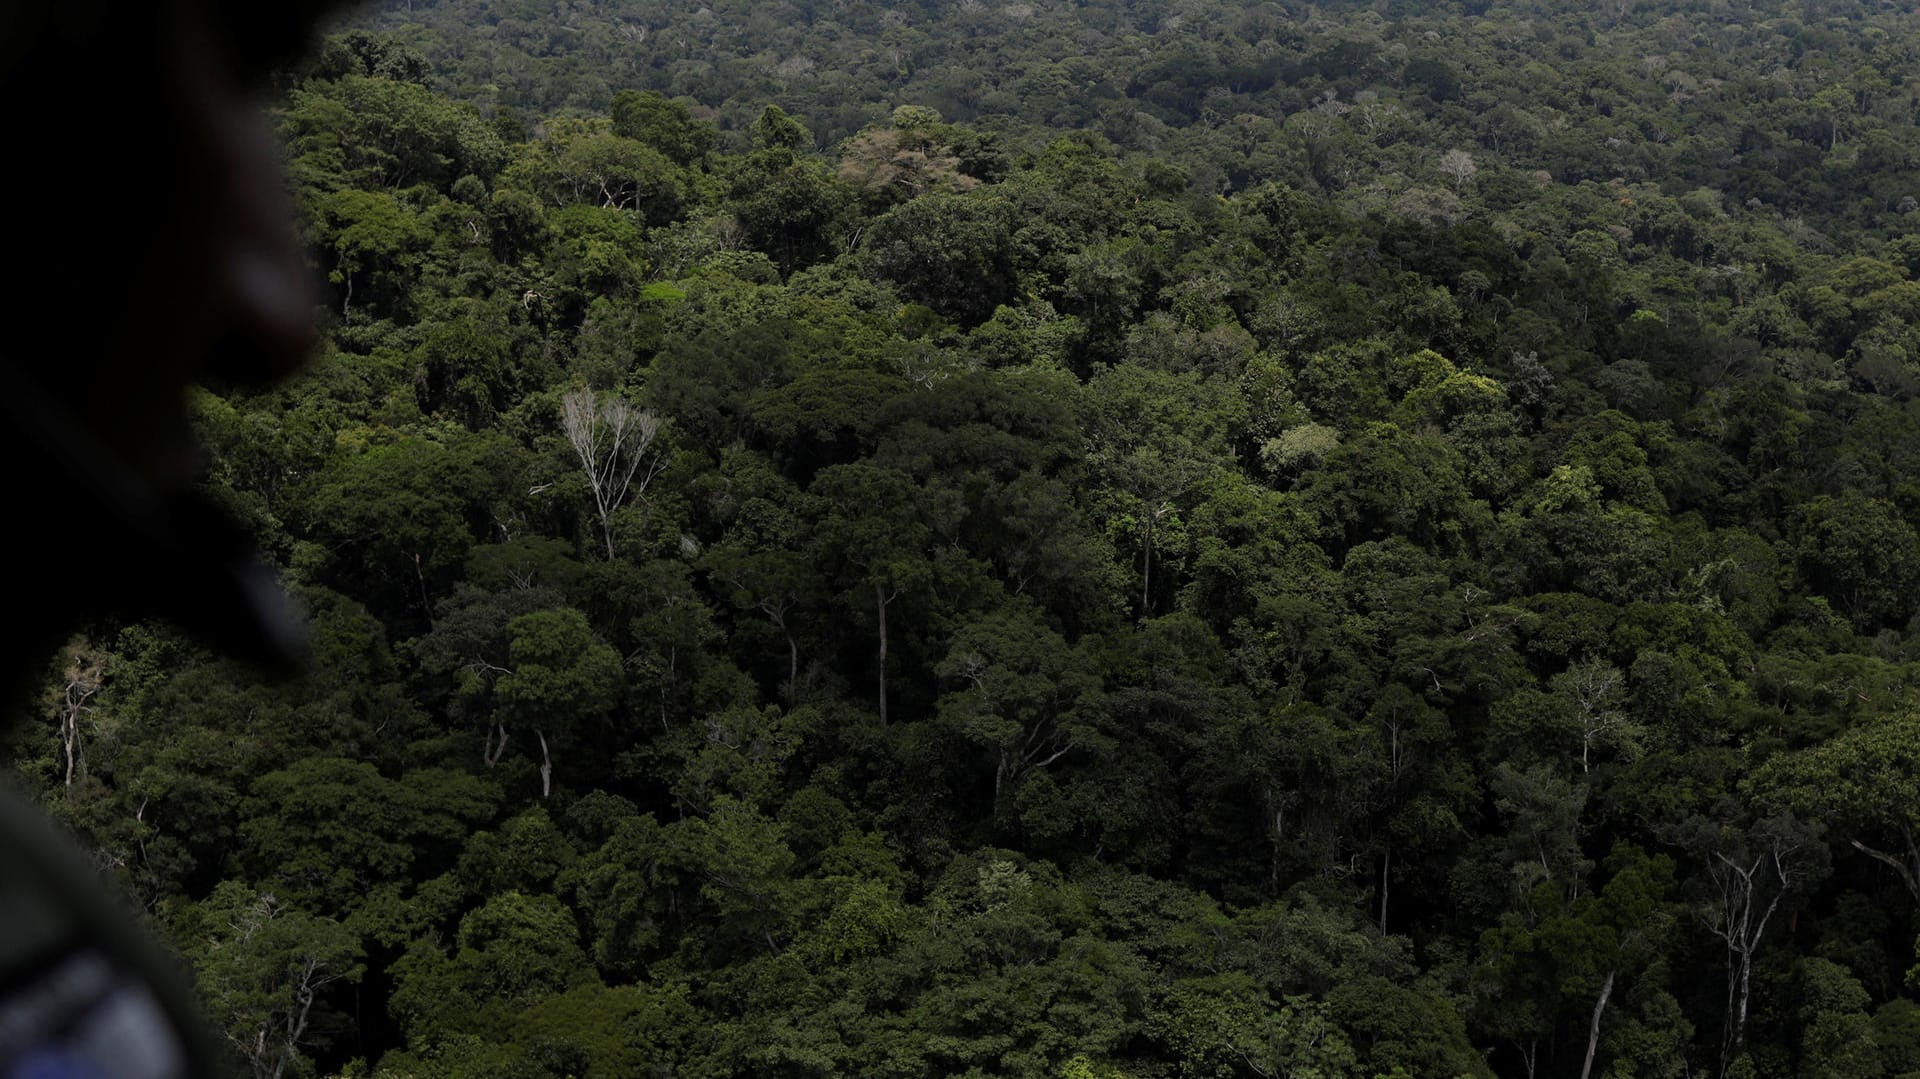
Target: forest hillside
(1094,540)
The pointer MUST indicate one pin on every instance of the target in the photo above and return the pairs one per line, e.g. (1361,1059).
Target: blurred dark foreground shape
(152,248)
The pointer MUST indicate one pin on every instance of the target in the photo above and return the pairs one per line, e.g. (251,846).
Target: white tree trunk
(1593,1029)
(546,766)
(1386,864)
(84,679)
(881,599)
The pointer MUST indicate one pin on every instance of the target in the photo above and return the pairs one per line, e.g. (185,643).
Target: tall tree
(1749,874)
(560,674)
(615,444)
(1865,783)
(872,533)
(264,968)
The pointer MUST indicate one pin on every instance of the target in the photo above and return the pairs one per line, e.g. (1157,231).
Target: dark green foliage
(1374,543)
(667,126)
(950,252)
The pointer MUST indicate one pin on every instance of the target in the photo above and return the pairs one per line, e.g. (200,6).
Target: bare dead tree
(85,674)
(1458,166)
(615,442)
(1748,890)
(1596,688)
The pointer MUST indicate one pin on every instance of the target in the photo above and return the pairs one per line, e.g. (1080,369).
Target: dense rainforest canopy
(1074,540)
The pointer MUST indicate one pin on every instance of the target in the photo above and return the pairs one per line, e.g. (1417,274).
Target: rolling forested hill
(1082,540)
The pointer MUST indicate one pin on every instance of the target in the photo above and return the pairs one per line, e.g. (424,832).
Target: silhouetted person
(150,246)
